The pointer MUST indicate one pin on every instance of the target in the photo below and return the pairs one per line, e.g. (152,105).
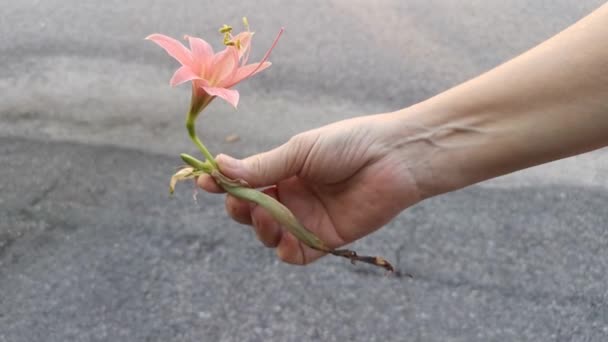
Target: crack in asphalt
(186,247)
(42,195)
(9,139)
(516,292)
(6,241)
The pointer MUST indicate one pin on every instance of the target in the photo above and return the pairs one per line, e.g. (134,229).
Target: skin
(348,179)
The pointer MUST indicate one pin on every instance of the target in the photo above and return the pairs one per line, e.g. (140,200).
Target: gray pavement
(93,249)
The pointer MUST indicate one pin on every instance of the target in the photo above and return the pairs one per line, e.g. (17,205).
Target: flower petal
(202,54)
(225,64)
(258,66)
(183,74)
(229,95)
(247,71)
(173,47)
(244,39)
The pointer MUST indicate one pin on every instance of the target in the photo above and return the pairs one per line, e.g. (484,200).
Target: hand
(347,179)
(342,181)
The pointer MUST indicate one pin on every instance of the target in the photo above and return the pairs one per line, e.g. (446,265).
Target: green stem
(192,133)
(280,213)
(287,219)
(276,209)
(197,164)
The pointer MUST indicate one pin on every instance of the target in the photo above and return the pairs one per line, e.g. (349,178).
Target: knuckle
(236,210)
(255,164)
(288,252)
(298,141)
(299,148)
(284,257)
(231,204)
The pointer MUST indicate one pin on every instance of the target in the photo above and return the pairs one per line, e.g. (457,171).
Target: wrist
(444,147)
(544,105)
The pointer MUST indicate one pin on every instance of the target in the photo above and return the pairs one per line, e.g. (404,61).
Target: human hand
(342,181)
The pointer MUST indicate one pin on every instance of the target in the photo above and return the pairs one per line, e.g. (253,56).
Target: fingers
(270,167)
(266,168)
(294,252)
(288,248)
(261,170)
(267,229)
(207,183)
(238,209)
(290,251)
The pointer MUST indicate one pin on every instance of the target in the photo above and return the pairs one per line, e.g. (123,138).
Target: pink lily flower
(213,74)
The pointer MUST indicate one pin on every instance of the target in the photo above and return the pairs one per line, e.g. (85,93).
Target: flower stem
(280,213)
(192,133)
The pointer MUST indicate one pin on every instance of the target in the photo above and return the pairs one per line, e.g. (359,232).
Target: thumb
(267,168)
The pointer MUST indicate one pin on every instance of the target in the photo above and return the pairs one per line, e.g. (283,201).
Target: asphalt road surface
(93,249)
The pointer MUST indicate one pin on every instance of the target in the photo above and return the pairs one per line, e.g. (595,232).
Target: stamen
(246,23)
(228,39)
(266,55)
(225,29)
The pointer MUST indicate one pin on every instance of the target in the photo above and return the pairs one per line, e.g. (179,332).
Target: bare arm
(347,179)
(549,103)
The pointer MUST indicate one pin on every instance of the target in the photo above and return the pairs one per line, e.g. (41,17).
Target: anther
(225,29)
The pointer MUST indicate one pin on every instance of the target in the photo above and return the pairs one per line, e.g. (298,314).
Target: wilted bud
(183,173)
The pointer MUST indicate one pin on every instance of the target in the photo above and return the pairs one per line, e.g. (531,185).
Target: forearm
(547,104)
